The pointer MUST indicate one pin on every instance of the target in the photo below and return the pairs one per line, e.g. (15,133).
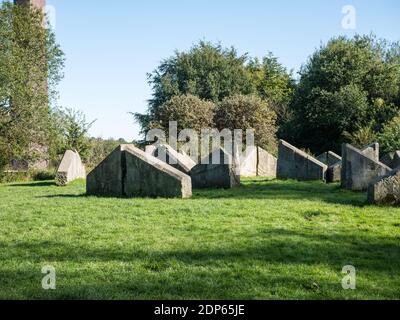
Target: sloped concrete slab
(360,167)
(334,163)
(207,174)
(329,158)
(249,162)
(71,168)
(130,172)
(334,173)
(267,164)
(169,155)
(296,164)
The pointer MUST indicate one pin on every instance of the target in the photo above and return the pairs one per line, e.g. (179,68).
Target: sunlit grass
(263,240)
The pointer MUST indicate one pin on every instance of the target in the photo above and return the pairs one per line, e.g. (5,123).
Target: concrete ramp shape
(329,158)
(217,170)
(385,190)
(296,164)
(169,155)
(130,172)
(258,162)
(267,164)
(361,167)
(334,163)
(249,162)
(71,168)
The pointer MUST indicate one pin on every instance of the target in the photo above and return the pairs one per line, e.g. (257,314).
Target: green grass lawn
(263,240)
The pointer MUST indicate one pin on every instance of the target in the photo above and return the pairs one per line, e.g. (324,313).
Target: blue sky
(111,45)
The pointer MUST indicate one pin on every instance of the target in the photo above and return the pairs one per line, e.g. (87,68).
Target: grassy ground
(264,240)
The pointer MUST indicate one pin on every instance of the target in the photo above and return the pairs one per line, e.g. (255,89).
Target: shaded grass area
(263,240)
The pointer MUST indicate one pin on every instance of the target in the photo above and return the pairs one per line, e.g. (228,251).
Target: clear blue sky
(111,45)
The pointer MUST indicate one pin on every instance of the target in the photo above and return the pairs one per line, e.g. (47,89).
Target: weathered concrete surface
(130,172)
(296,164)
(334,173)
(360,167)
(70,168)
(208,174)
(248,162)
(334,163)
(386,189)
(107,178)
(267,164)
(392,159)
(258,162)
(169,155)
(371,151)
(329,158)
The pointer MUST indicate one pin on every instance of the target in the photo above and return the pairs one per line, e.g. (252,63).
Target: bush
(189,111)
(389,138)
(346,85)
(42,175)
(14,176)
(249,112)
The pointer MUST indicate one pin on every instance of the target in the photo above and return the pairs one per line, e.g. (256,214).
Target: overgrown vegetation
(263,240)
(348,91)
(30,66)
(348,88)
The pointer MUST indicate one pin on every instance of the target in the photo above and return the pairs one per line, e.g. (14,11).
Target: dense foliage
(248,112)
(213,73)
(69,131)
(389,138)
(348,88)
(190,112)
(30,67)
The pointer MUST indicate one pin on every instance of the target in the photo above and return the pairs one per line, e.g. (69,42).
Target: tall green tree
(30,66)
(69,131)
(274,85)
(347,85)
(207,71)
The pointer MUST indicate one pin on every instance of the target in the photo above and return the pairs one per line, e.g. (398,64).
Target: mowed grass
(263,240)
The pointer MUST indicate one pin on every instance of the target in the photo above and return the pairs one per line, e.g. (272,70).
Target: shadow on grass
(375,254)
(239,266)
(34,184)
(265,190)
(67,196)
(287,190)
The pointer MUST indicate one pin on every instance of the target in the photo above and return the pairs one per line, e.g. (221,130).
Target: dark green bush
(42,175)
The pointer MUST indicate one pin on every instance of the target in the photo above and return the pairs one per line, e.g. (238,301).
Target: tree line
(31,66)
(347,91)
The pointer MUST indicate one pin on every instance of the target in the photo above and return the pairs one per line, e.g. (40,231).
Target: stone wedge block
(169,155)
(248,163)
(130,172)
(360,168)
(209,174)
(267,164)
(296,164)
(71,168)
(385,190)
(329,158)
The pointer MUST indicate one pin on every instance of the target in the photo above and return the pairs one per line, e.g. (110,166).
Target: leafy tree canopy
(213,73)
(30,67)
(347,85)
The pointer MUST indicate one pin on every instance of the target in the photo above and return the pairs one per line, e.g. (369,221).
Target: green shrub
(389,138)
(42,175)
(14,176)
(249,112)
